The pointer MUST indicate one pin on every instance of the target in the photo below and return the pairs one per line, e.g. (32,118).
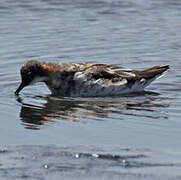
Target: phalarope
(85,79)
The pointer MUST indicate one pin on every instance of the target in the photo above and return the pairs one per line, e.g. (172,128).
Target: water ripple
(45,161)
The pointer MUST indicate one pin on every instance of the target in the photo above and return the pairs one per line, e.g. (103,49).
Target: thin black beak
(19,89)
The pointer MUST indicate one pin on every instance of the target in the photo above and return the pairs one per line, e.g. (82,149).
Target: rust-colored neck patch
(50,68)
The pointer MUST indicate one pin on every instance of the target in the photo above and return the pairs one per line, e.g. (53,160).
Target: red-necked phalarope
(85,79)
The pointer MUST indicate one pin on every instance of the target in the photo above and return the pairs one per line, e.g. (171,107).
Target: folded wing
(102,80)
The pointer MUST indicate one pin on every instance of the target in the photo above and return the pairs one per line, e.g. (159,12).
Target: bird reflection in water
(34,115)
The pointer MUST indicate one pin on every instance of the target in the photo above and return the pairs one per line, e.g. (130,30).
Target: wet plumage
(85,79)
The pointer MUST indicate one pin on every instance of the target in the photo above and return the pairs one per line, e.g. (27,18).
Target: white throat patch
(38,79)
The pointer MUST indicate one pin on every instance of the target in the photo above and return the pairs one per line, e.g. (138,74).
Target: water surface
(129,137)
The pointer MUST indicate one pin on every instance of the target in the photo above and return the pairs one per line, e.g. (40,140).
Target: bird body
(86,79)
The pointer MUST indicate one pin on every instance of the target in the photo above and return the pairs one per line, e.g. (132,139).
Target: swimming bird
(86,79)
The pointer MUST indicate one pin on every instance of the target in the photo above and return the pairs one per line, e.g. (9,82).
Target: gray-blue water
(129,137)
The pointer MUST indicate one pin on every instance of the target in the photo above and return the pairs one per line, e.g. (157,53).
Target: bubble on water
(46,166)
(3,150)
(95,155)
(77,155)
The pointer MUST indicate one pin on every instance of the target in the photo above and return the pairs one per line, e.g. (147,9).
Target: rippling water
(127,137)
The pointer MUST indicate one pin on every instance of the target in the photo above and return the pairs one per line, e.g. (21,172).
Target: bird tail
(146,76)
(154,72)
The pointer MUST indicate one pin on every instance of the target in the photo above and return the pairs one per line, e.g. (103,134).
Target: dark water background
(130,137)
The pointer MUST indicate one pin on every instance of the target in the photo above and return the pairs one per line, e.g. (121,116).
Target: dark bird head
(31,72)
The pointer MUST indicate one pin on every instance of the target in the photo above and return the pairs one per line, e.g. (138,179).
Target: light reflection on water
(82,110)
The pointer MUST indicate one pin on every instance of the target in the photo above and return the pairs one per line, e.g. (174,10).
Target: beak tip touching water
(16,92)
(19,89)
